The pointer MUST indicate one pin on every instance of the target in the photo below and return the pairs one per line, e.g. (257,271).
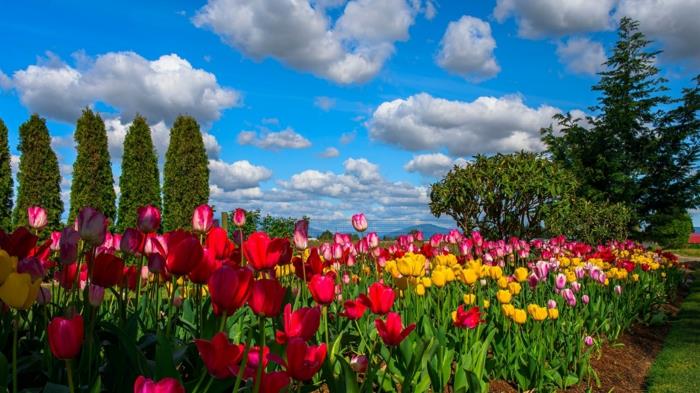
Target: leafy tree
(671,230)
(186,174)
(93,184)
(252,221)
(278,226)
(635,150)
(139,182)
(325,236)
(6,184)
(589,222)
(503,195)
(39,177)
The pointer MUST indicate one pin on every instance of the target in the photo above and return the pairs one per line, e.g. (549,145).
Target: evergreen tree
(186,174)
(139,182)
(634,150)
(6,184)
(93,184)
(39,177)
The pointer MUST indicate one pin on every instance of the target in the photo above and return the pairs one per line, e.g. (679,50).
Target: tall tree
(93,184)
(6,184)
(186,174)
(633,150)
(139,183)
(39,177)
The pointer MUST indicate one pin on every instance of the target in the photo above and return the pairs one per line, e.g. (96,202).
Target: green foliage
(670,230)
(6,184)
(186,174)
(278,226)
(502,195)
(139,182)
(93,184)
(325,236)
(638,149)
(587,221)
(39,177)
(252,221)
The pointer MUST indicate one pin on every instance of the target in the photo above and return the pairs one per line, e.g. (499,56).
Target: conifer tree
(6,184)
(139,182)
(186,174)
(93,184)
(39,177)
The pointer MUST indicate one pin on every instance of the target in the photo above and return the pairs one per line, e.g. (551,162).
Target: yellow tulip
(469,299)
(487,303)
(503,296)
(520,274)
(439,278)
(420,290)
(412,265)
(427,282)
(519,316)
(469,276)
(495,272)
(508,309)
(635,277)
(553,313)
(8,265)
(502,282)
(514,288)
(19,291)
(536,312)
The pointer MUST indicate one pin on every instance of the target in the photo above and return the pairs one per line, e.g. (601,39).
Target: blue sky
(325,107)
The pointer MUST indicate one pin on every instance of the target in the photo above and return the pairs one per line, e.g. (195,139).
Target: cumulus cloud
(348,137)
(674,23)
(300,34)
(266,139)
(5,82)
(432,165)
(158,89)
(467,48)
(554,18)
(330,152)
(325,103)
(236,175)
(487,124)
(581,56)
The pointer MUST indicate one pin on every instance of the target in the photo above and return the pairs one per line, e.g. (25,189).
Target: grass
(677,367)
(687,252)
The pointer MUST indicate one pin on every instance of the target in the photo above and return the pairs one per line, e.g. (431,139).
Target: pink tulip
(239,218)
(359,222)
(301,235)
(202,218)
(96,294)
(148,219)
(435,240)
(419,236)
(55,240)
(551,303)
(560,281)
(588,341)
(618,289)
(569,297)
(337,250)
(585,299)
(373,240)
(37,217)
(576,286)
(91,224)
(359,363)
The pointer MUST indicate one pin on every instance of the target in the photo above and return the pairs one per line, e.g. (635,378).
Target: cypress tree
(93,184)
(186,174)
(6,184)
(139,182)
(39,177)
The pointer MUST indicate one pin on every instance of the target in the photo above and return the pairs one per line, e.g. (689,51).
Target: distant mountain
(696,229)
(427,229)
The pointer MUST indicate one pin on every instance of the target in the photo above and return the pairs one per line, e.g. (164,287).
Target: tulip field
(211,310)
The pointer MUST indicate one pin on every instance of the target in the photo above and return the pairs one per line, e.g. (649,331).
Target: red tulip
(36,216)
(202,218)
(66,337)
(91,224)
(322,287)
(19,243)
(219,355)
(218,242)
(165,385)
(303,361)
(239,218)
(130,277)
(208,265)
(392,331)
(107,270)
(467,319)
(313,265)
(229,289)
(66,276)
(380,299)
(273,382)
(132,242)
(148,219)
(266,297)
(302,323)
(184,253)
(354,309)
(264,253)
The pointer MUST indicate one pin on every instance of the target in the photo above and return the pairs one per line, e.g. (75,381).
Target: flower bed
(194,311)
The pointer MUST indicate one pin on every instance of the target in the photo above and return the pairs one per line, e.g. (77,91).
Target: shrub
(587,221)
(670,230)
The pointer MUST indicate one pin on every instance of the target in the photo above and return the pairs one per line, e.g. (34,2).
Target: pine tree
(39,177)
(6,184)
(93,184)
(139,182)
(186,174)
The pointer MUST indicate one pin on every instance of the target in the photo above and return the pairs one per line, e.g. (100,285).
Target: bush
(278,226)
(670,230)
(587,221)
(502,195)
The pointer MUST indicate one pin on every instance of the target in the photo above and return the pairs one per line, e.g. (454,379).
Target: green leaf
(55,388)
(4,371)
(349,376)
(165,362)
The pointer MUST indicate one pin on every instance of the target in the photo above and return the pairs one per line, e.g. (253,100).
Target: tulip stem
(171,306)
(244,362)
(69,371)
(261,355)
(325,323)
(138,285)
(222,324)
(14,353)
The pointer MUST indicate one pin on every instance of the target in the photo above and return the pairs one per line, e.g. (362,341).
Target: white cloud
(365,171)
(432,165)
(554,18)
(672,22)
(236,175)
(348,137)
(285,139)
(14,164)
(581,56)
(325,103)
(303,36)
(159,89)
(487,124)
(5,82)
(330,152)
(467,48)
